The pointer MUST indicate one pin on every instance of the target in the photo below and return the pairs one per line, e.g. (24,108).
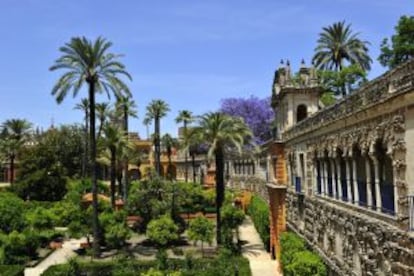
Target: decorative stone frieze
(353,243)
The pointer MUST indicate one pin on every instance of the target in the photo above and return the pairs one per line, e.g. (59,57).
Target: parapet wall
(351,243)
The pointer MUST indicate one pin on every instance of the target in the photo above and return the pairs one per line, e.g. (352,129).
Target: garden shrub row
(187,267)
(297,259)
(259,212)
(12,270)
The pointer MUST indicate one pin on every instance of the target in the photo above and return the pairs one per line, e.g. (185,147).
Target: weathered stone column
(348,180)
(394,185)
(368,174)
(355,182)
(334,177)
(322,162)
(377,183)
(338,174)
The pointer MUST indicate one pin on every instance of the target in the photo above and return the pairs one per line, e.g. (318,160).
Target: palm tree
(337,44)
(219,132)
(157,109)
(185,117)
(147,123)
(14,135)
(113,140)
(102,112)
(169,143)
(84,106)
(90,62)
(127,107)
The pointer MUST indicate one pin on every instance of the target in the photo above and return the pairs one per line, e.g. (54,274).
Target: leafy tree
(40,218)
(201,229)
(219,132)
(185,117)
(162,231)
(116,230)
(257,114)
(157,109)
(147,199)
(90,62)
(402,44)
(18,247)
(11,213)
(14,134)
(232,218)
(341,82)
(337,44)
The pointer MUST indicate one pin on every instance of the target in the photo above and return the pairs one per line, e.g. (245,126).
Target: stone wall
(253,184)
(350,242)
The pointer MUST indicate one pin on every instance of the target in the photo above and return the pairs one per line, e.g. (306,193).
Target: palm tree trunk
(219,189)
(87,118)
(157,146)
(92,137)
(125,170)
(11,178)
(113,175)
(193,165)
(186,153)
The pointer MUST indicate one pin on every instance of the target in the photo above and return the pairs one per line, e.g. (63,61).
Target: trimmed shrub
(297,260)
(12,270)
(259,212)
(200,267)
(305,263)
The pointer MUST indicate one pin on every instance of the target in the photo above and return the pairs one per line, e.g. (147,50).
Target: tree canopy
(401,48)
(257,114)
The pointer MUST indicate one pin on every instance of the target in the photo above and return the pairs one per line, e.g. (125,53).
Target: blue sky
(189,53)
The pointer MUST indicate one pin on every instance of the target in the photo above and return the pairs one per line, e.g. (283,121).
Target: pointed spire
(302,62)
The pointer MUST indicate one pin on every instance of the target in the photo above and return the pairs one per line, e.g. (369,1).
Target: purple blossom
(257,114)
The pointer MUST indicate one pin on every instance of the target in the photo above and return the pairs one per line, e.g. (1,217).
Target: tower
(294,98)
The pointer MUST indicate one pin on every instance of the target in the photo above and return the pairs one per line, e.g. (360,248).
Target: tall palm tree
(84,106)
(102,112)
(157,109)
(114,140)
(220,132)
(337,44)
(147,123)
(169,143)
(185,117)
(86,61)
(14,134)
(127,107)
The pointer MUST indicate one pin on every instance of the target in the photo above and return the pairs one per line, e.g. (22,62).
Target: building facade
(342,176)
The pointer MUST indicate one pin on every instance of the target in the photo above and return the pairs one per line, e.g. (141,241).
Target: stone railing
(253,184)
(395,82)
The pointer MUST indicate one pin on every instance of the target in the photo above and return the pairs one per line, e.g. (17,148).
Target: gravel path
(260,262)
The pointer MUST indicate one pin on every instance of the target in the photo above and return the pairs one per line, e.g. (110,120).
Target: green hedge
(11,270)
(297,259)
(259,212)
(195,267)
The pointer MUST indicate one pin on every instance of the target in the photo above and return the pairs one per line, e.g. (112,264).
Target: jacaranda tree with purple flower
(257,114)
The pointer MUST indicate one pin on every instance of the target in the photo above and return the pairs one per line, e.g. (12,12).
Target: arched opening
(342,172)
(386,179)
(301,112)
(361,176)
(135,174)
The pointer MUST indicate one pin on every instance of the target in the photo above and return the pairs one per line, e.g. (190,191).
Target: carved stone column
(322,167)
(338,179)
(369,186)
(355,182)
(334,177)
(377,183)
(348,180)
